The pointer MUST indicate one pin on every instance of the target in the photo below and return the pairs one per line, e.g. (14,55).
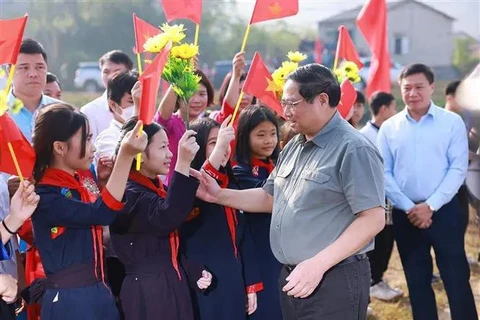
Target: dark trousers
(380,256)
(342,294)
(463,201)
(446,236)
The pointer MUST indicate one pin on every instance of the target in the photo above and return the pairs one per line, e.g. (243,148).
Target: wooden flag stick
(15,161)
(240,97)
(139,62)
(10,79)
(139,156)
(197,32)
(244,43)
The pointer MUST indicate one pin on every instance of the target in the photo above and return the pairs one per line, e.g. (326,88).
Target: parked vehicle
(395,70)
(88,77)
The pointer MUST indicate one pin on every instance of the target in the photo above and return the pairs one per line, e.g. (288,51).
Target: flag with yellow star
(273,9)
(11,34)
(183,9)
(143,31)
(260,84)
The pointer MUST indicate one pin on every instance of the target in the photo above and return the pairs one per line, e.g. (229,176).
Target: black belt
(350,259)
(78,275)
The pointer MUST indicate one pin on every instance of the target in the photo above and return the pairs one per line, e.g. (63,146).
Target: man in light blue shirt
(425,154)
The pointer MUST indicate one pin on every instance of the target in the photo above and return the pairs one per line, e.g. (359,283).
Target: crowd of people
(260,219)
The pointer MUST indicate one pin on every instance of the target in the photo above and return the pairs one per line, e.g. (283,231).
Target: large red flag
(273,9)
(9,132)
(183,9)
(347,99)
(346,48)
(259,83)
(143,31)
(372,22)
(11,34)
(150,79)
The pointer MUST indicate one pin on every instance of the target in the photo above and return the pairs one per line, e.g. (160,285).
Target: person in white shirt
(382,107)
(97,111)
(123,94)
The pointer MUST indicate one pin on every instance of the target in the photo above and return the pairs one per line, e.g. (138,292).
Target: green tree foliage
(463,58)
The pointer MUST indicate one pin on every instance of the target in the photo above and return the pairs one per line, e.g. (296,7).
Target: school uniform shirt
(220,239)
(250,176)
(68,235)
(146,241)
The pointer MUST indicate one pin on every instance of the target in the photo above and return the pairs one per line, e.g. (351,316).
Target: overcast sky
(466,12)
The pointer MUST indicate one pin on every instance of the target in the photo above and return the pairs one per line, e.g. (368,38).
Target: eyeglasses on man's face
(290,104)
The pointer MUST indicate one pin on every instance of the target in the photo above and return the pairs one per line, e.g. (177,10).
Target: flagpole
(139,62)
(197,32)
(139,156)
(240,97)
(244,43)
(15,161)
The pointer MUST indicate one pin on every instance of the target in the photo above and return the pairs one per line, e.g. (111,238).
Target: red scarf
(62,179)
(257,163)
(229,212)
(173,236)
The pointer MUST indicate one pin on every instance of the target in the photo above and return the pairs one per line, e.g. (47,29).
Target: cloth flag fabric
(150,79)
(259,83)
(273,9)
(11,34)
(9,132)
(143,31)
(372,22)
(347,99)
(346,48)
(183,9)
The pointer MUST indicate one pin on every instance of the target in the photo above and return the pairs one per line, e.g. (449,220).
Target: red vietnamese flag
(150,79)
(372,22)
(183,9)
(346,48)
(143,31)
(259,83)
(11,34)
(273,9)
(9,132)
(347,99)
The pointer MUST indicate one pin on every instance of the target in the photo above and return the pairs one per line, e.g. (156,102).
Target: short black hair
(120,83)
(452,88)
(53,78)
(360,97)
(313,79)
(380,99)
(416,68)
(118,57)
(30,46)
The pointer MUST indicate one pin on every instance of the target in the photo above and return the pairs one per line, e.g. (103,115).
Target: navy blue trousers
(446,236)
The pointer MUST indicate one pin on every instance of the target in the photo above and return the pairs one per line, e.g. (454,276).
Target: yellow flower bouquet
(179,69)
(348,70)
(280,74)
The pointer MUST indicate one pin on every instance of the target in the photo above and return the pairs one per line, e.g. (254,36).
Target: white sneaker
(369,312)
(382,291)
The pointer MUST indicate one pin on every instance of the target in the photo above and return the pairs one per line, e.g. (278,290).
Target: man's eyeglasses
(290,104)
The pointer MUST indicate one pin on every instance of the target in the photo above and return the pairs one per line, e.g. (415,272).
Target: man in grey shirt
(327,197)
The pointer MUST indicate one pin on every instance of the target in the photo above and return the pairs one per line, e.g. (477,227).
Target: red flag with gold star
(183,9)
(346,48)
(273,9)
(11,34)
(25,155)
(143,31)
(259,83)
(347,99)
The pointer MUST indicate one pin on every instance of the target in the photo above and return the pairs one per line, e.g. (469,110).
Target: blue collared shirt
(25,120)
(425,160)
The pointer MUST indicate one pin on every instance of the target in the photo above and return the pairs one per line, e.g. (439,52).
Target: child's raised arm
(226,134)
